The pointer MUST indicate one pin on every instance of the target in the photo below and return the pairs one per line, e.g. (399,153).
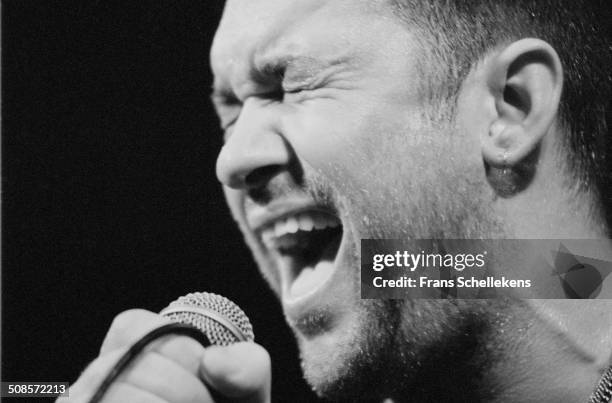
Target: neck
(547,362)
(517,351)
(522,361)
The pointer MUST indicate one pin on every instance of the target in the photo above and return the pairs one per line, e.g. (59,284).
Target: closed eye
(227,125)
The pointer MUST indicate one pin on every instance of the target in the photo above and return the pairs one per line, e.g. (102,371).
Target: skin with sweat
(323,113)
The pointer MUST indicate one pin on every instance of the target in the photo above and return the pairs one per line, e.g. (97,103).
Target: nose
(255,151)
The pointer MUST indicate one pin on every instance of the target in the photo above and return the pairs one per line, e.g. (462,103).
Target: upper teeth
(306,221)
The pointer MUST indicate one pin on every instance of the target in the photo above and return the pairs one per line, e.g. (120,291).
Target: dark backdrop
(109,195)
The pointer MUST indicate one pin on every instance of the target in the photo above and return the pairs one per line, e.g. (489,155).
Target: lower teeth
(310,278)
(313,274)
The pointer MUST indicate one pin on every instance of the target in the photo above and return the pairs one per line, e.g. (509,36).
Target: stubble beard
(395,348)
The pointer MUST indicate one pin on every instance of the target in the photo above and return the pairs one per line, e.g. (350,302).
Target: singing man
(407,119)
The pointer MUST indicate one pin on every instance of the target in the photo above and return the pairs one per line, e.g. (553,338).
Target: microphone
(206,317)
(222,321)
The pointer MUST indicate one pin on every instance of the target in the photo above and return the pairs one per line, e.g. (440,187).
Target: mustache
(311,186)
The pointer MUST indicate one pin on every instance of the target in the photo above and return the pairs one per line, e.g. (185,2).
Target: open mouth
(308,242)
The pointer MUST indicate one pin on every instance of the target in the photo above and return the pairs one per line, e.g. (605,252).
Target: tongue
(311,278)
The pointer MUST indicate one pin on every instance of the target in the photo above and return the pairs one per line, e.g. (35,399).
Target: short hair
(455,34)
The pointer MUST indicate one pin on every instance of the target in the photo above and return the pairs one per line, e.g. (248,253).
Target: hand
(174,369)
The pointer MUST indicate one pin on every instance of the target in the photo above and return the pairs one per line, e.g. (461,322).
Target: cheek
(342,139)
(317,130)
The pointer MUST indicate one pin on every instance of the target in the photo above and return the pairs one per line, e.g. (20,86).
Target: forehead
(259,30)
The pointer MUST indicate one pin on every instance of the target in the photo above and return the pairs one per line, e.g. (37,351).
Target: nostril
(260,176)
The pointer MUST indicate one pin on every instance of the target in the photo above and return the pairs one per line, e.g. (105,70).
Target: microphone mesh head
(222,321)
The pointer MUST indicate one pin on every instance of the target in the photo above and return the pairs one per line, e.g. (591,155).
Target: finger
(89,381)
(124,392)
(167,379)
(119,393)
(129,326)
(183,350)
(240,371)
(152,372)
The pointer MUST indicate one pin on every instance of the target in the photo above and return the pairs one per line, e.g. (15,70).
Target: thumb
(240,371)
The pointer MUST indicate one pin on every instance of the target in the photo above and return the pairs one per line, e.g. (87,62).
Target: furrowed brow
(269,73)
(293,68)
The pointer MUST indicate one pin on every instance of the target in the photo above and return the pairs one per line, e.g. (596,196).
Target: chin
(351,359)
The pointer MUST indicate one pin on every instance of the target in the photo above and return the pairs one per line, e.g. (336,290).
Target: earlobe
(525,80)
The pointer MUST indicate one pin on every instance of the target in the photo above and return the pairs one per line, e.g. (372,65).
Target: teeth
(279,228)
(305,222)
(291,225)
(301,222)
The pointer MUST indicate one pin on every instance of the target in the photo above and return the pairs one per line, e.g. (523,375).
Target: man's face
(328,142)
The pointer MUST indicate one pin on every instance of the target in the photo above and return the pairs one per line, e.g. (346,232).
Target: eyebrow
(289,70)
(295,69)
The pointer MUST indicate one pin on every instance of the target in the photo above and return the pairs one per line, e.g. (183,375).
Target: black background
(109,196)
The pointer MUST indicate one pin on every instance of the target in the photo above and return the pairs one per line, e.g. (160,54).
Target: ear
(525,80)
